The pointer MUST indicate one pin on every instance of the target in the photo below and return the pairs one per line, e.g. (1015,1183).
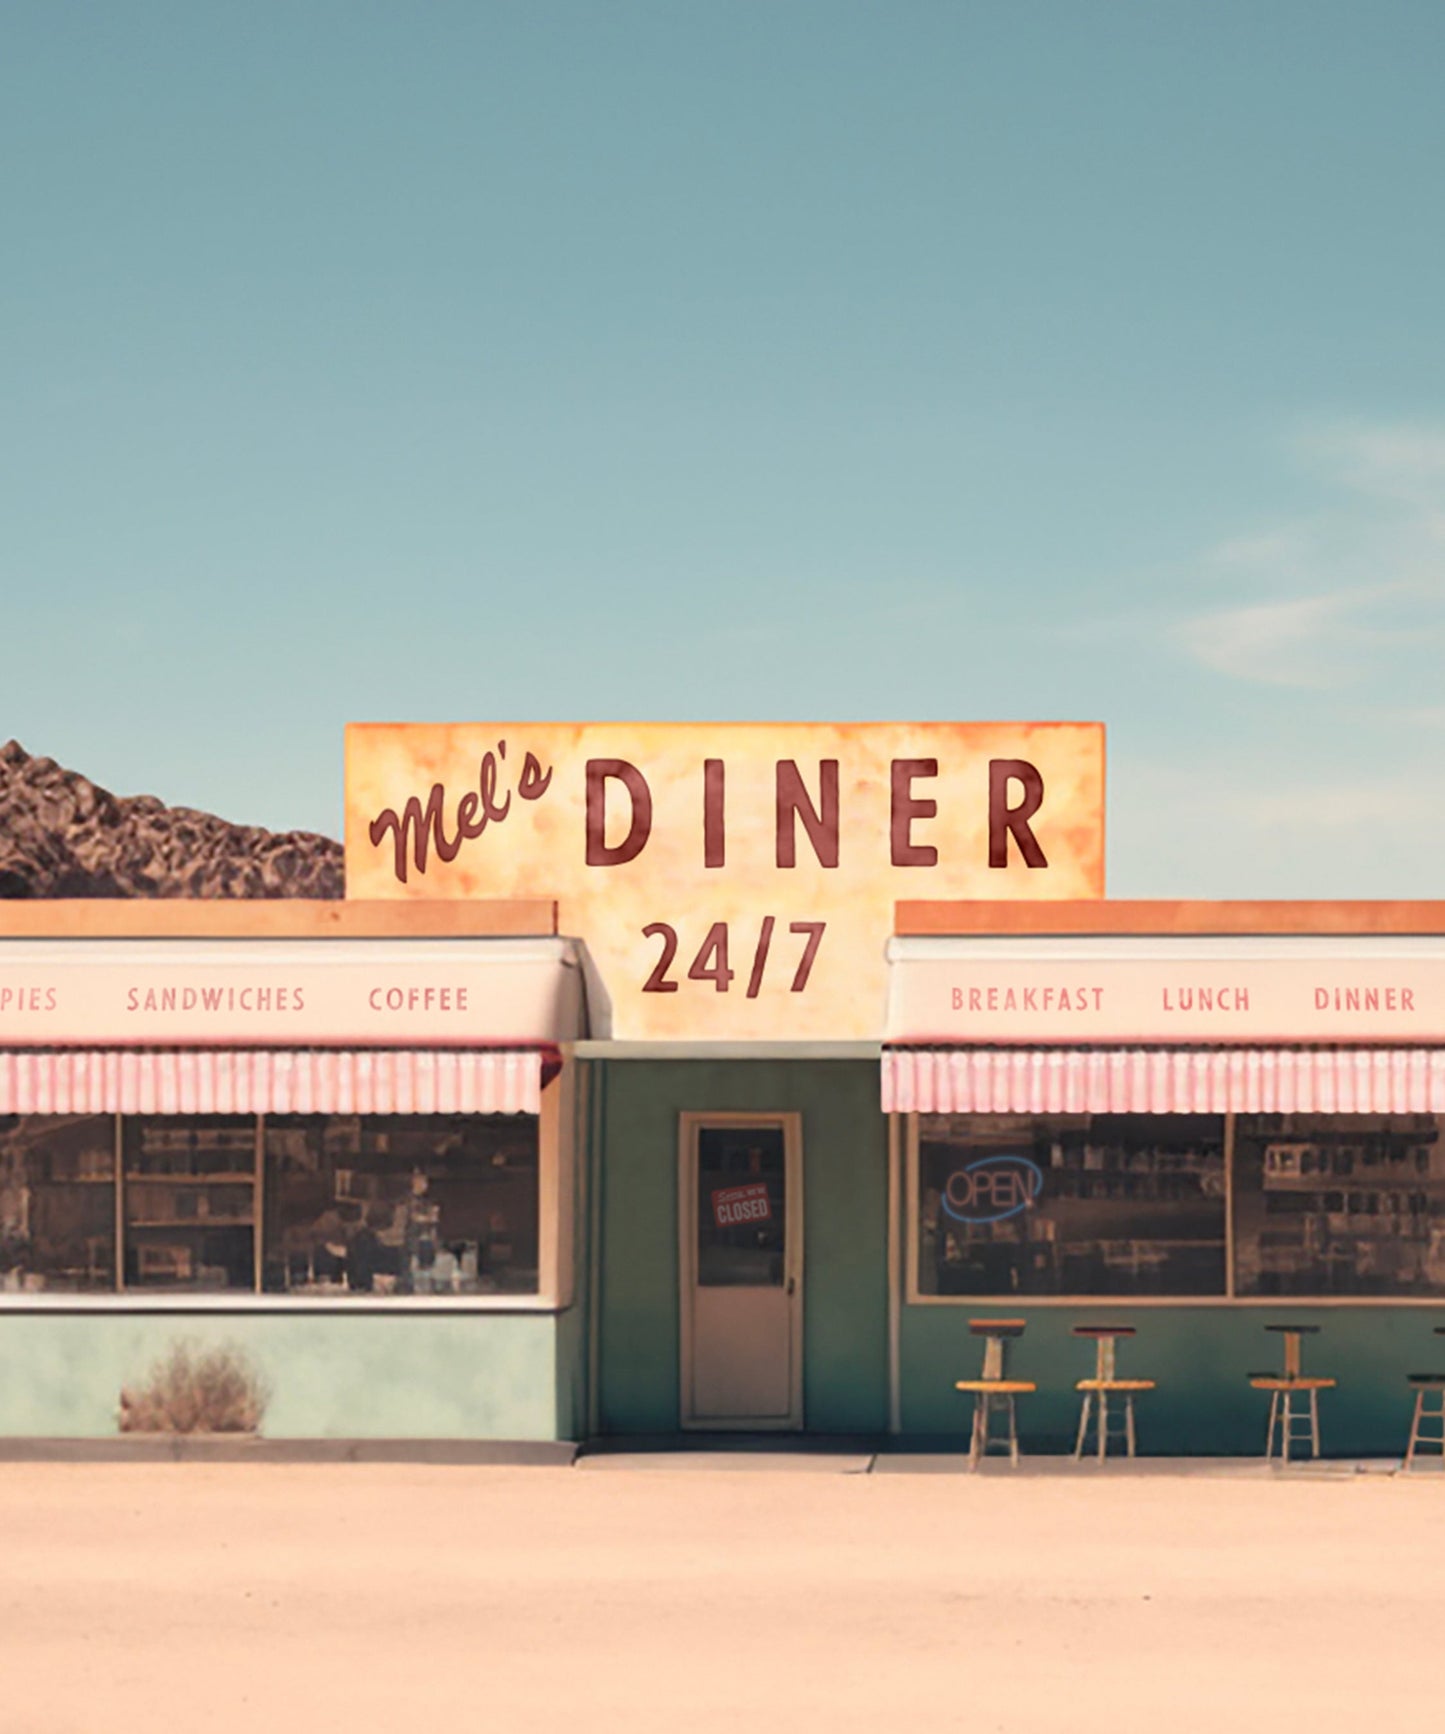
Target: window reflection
(1339,1205)
(1071,1204)
(422,1204)
(57,1203)
(190,1201)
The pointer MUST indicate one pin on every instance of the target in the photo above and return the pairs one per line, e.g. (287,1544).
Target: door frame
(689,1123)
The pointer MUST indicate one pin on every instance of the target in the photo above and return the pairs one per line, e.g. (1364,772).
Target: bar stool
(993,1391)
(1286,1385)
(1424,1384)
(1105,1383)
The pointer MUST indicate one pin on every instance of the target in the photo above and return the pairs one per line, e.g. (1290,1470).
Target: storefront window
(422,1204)
(1343,1205)
(190,1201)
(57,1203)
(1071,1205)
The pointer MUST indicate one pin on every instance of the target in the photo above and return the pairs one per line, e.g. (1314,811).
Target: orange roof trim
(1164,916)
(278,918)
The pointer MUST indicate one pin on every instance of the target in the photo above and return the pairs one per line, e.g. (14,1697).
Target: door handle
(791,1285)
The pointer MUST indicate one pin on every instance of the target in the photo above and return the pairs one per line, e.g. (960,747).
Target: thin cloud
(1312,641)
(1339,805)
(1425,716)
(1244,799)
(1262,825)
(1403,464)
(1337,599)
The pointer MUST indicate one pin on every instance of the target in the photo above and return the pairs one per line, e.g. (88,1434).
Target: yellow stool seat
(1275,1383)
(996,1387)
(1116,1385)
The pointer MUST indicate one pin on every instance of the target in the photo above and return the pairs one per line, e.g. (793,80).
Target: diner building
(449,1161)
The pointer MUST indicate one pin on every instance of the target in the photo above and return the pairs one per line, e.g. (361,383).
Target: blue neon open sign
(992,1189)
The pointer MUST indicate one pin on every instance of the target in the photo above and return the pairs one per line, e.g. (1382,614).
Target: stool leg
(1013,1433)
(980,1410)
(1287,1423)
(1129,1419)
(1315,1422)
(1269,1431)
(1414,1428)
(993,1404)
(1083,1425)
(1103,1424)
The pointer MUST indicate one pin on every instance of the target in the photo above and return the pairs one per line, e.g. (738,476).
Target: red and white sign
(261,1081)
(733,1206)
(256,993)
(1093,991)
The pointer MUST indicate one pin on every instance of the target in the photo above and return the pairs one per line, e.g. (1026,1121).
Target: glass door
(741,1239)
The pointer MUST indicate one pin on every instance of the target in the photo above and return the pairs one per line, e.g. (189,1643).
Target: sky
(513,362)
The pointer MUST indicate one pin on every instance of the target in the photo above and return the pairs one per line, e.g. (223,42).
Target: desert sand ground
(688,1596)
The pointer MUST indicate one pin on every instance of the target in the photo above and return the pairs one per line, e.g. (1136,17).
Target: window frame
(555,1251)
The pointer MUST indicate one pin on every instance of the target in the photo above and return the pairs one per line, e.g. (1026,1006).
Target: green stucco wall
(570,1357)
(369,1376)
(1201,1358)
(845,1377)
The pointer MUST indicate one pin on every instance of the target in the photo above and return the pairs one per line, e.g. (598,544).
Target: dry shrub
(196,1391)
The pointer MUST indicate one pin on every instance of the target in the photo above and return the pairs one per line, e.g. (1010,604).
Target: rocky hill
(61,836)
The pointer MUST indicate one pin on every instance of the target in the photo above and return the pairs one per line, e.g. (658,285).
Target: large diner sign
(731,881)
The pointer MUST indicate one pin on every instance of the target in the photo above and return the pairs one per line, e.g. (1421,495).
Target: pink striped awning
(1163,1080)
(280,1081)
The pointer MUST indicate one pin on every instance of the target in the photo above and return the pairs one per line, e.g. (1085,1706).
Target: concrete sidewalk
(696,1454)
(1028,1469)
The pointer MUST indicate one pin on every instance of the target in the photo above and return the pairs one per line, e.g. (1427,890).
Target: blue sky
(362,362)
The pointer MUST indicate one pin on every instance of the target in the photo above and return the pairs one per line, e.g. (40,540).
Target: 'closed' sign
(734,1205)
